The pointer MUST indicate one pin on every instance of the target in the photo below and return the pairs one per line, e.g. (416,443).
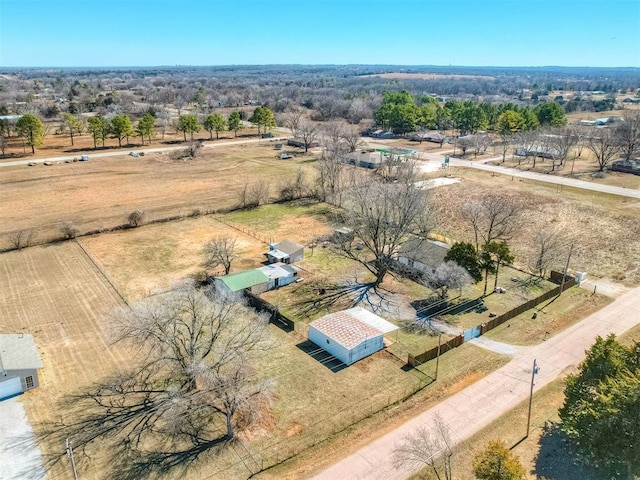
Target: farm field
(57,294)
(100,194)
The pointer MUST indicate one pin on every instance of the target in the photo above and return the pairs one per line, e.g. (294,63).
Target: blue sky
(409,32)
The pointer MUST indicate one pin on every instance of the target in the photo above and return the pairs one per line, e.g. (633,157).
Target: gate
(472,333)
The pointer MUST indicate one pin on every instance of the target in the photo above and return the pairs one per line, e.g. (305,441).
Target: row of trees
(401,113)
(32,129)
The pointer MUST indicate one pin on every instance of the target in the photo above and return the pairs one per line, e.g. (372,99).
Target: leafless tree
(359,110)
(382,217)
(331,134)
(136,218)
(308,133)
(628,133)
(504,144)
(190,387)
(220,252)
(351,137)
(21,239)
(492,218)
(448,275)
(603,143)
(292,119)
(546,251)
(430,447)
(332,178)
(254,195)
(561,143)
(4,143)
(295,187)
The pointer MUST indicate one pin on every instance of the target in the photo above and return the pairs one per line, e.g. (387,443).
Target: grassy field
(574,304)
(463,366)
(102,193)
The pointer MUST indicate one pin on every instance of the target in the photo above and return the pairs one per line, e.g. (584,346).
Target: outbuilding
(279,274)
(422,255)
(285,251)
(350,335)
(253,280)
(19,364)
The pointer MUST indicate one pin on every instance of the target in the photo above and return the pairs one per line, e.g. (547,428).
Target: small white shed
(280,274)
(350,335)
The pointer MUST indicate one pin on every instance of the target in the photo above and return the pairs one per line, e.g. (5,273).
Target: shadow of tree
(148,431)
(557,458)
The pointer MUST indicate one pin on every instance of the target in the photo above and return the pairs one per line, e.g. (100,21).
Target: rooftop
(241,280)
(352,327)
(18,351)
(288,246)
(277,270)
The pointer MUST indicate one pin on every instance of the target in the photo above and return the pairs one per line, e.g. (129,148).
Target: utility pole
(438,356)
(533,374)
(566,268)
(73,462)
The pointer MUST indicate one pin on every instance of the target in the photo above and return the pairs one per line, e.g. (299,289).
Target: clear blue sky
(409,32)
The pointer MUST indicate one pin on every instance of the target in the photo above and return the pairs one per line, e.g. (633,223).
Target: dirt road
(486,400)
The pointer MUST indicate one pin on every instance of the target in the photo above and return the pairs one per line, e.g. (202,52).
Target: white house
(422,255)
(279,274)
(19,364)
(350,335)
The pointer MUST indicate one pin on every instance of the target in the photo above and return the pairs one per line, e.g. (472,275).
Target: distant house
(279,274)
(285,251)
(431,136)
(350,335)
(299,143)
(255,281)
(587,123)
(626,166)
(422,255)
(365,159)
(19,364)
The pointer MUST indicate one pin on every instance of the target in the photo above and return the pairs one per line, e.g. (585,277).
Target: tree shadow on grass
(141,430)
(557,458)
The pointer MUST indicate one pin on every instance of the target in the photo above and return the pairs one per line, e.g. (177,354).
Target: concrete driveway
(20,457)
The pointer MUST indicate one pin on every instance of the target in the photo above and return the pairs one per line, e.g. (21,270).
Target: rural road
(116,153)
(541,177)
(476,406)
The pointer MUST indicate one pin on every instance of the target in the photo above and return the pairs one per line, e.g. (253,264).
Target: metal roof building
(350,335)
(19,364)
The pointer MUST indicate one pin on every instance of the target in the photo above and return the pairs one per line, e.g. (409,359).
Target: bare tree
(21,239)
(546,252)
(492,218)
(505,143)
(220,252)
(192,378)
(294,187)
(136,218)
(448,275)
(628,133)
(292,119)
(604,145)
(351,137)
(332,178)
(4,143)
(382,216)
(430,447)
(254,195)
(561,143)
(308,133)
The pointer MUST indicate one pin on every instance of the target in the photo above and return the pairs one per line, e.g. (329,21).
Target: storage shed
(285,251)
(350,335)
(279,274)
(19,364)
(253,280)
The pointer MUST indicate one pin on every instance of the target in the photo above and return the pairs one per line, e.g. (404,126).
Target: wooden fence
(556,277)
(275,316)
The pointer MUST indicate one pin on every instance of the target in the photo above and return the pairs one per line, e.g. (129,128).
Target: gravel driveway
(20,457)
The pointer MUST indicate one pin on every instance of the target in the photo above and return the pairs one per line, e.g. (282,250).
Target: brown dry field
(57,294)
(153,258)
(101,193)
(605,228)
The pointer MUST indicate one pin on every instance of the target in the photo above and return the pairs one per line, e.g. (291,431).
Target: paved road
(20,456)
(541,177)
(116,153)
(475,407)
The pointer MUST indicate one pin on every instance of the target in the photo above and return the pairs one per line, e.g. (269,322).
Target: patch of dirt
(295,429)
